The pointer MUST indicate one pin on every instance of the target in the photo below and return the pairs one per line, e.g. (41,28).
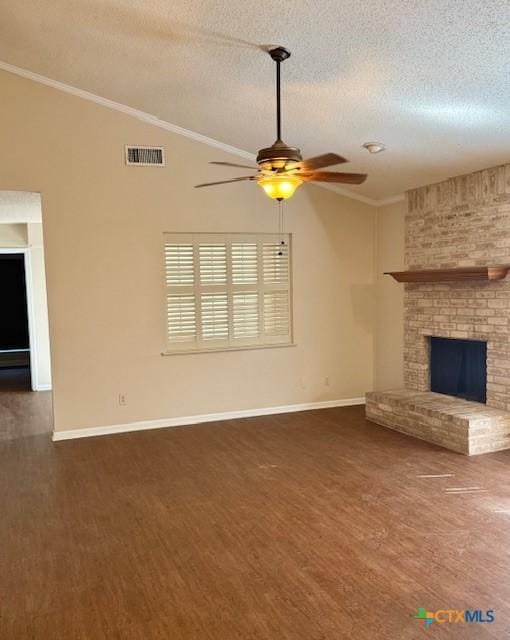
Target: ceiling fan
(281,168)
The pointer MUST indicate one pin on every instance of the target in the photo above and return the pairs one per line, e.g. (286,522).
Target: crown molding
(130,111)
(390,200)
(357,196)
(341,191)
(173,128)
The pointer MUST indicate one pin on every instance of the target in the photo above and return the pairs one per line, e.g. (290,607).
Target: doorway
(25,371)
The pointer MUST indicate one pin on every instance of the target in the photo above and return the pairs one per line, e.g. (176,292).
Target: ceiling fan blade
(231,164)
(334,176)
(212,184)
(318,162)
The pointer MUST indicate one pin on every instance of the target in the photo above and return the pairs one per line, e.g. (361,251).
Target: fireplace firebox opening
(459,368)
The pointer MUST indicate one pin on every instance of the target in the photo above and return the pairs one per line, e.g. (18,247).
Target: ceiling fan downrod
(279,54)
(279,153)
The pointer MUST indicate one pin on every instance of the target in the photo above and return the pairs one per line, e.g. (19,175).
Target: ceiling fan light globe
(279,187)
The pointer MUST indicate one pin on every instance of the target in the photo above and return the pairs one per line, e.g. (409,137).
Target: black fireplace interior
(459,368)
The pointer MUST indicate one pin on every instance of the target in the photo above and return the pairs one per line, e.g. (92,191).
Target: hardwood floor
(23,412)
(306,526)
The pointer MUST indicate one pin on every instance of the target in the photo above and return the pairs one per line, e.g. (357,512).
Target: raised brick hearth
(466,427)
(464,221)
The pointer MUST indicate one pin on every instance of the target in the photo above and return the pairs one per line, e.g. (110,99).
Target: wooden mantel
(463,274)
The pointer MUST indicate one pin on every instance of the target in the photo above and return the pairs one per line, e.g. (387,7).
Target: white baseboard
(197,419)
(43,387)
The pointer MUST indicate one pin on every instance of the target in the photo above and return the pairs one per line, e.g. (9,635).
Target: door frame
(32,341)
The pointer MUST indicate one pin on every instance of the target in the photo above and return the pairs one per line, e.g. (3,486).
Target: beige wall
(103,225)
(389,334)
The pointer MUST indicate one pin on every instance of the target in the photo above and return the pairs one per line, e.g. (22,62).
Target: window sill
(221,349)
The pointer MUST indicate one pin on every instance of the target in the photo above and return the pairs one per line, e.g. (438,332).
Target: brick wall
(463,221)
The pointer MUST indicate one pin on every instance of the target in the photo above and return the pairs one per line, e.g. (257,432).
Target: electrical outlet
(122,400)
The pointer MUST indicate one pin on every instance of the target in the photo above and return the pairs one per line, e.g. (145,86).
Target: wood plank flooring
(305,526)
(23,412)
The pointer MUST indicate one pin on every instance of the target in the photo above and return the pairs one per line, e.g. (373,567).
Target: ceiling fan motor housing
(279,152)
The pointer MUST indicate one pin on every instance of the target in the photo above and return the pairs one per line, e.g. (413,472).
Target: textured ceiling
(429,78)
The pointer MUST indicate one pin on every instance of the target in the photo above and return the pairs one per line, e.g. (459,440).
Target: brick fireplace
(462,222)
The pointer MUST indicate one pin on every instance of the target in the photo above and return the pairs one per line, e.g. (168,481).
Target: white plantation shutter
(179,264)
(244,262)
(276,262)
(180,306)
(276,314)
(214,310)
(276,274)
(213,262)
(245,316)
(227,291)
(181,321)
(246,329)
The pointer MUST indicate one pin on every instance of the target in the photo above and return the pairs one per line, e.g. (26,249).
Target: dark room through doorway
(14,331)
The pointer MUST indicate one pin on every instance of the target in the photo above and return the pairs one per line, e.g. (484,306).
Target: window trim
(261,288)
(252,347)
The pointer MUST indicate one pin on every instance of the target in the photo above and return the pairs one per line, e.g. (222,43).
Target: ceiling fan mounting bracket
(279,54)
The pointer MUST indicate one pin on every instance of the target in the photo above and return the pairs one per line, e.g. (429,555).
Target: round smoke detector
(374,147)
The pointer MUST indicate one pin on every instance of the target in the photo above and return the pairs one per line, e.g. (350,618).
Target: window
(227,290)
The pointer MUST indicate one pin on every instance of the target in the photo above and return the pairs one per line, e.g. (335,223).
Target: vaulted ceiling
(428,78)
